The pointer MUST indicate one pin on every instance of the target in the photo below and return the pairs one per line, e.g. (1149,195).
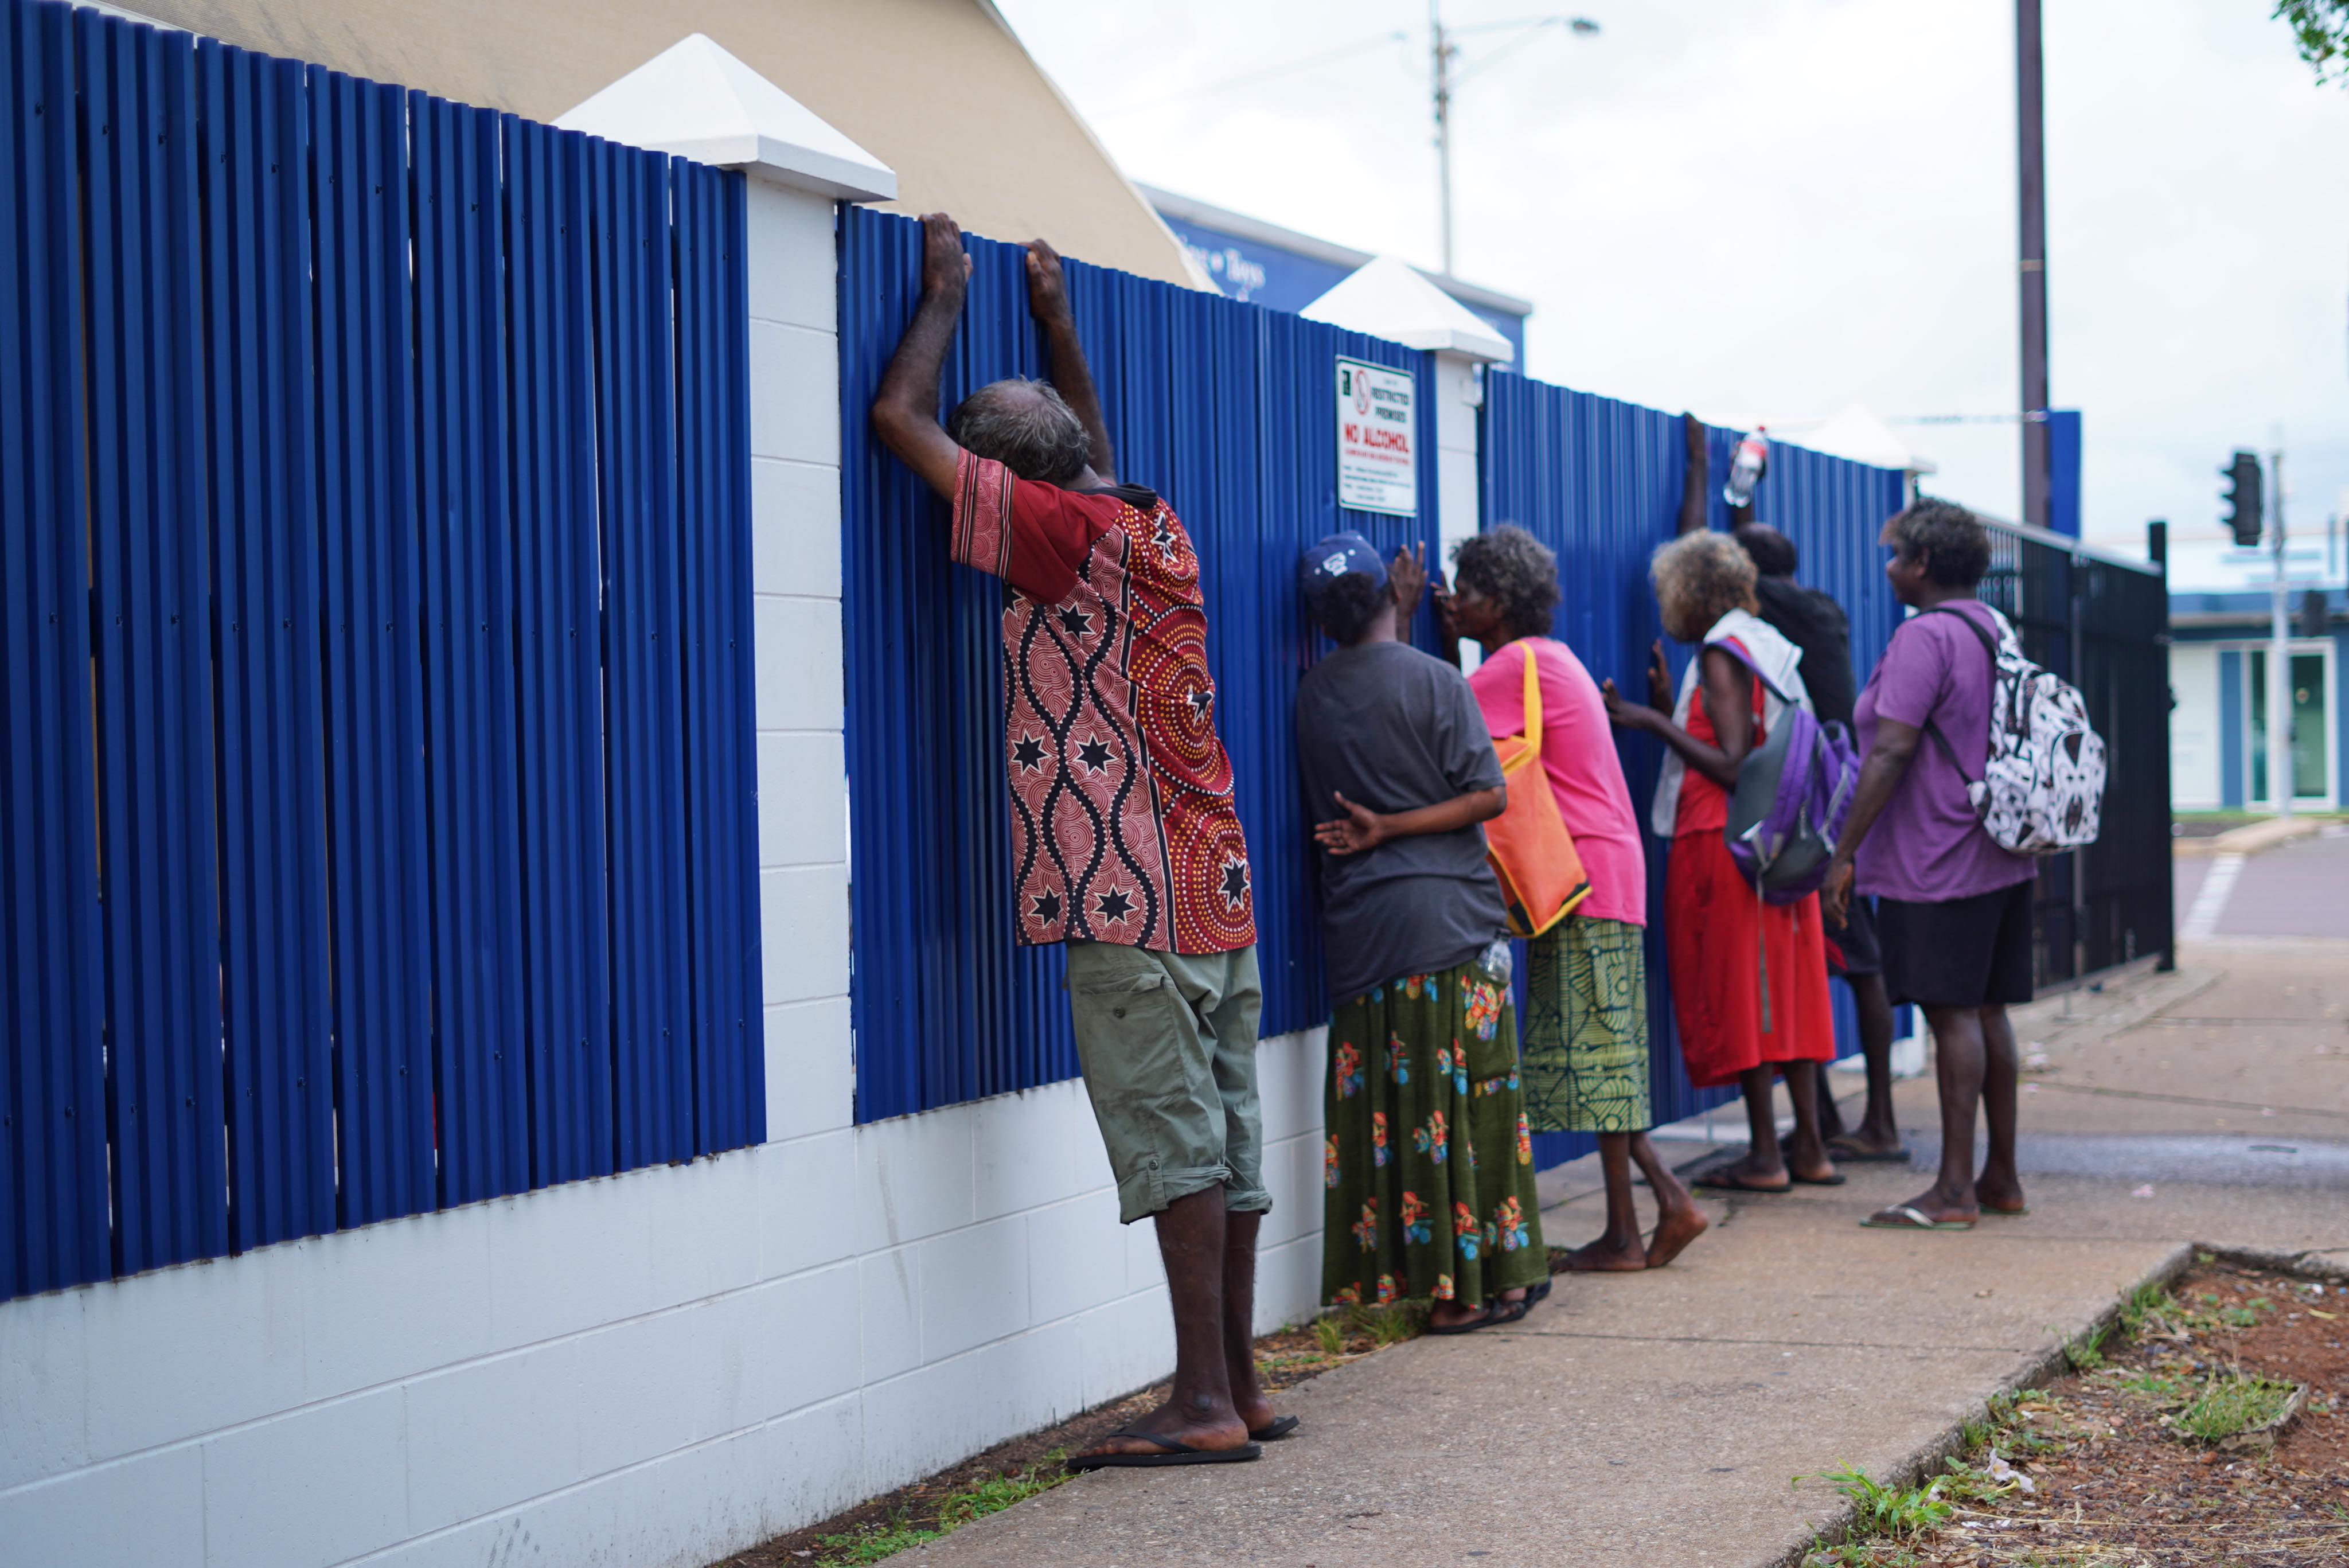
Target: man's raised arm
(1048,301)
(905,409)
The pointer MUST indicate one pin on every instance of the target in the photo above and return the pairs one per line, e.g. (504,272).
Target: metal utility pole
(2032,185)
(1444,51)
(2280,779)
(1443,77)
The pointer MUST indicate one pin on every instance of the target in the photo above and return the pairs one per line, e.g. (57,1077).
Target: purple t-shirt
(1927,845)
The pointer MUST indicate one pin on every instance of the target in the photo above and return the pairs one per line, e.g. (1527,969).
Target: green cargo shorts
(1168,1045)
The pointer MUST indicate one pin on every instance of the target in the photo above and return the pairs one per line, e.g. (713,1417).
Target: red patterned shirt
(1123,827)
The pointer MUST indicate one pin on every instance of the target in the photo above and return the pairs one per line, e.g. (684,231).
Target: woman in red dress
(1749,979)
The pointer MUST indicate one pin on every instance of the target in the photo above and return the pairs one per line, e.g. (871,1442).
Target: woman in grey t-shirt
(1428,1163)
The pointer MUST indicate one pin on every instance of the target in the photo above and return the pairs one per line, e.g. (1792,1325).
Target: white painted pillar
(700,102)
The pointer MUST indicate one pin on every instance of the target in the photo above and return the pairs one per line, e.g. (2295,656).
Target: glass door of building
(2312,730)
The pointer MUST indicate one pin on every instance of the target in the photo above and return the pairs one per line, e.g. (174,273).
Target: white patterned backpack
(2043,786)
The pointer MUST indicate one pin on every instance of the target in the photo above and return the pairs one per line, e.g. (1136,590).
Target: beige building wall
(939,91)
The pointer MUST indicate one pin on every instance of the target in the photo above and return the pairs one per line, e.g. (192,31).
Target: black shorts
(1964,952)
(1852,946)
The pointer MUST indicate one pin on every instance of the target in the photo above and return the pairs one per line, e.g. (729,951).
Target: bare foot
(2000,1197)
(1675,1228)
(1864,1145)
(1606,1257)
(1207,1432)
(1806,1161)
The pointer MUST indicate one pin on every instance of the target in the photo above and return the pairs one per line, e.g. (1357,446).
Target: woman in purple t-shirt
(1953,909)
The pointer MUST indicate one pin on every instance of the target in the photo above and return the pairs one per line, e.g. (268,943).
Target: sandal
(1482,1320)
(1845,1152)
(1724,1179)
(1272,1431)
(1835,1179)
(1907,1217)
(1175,1454)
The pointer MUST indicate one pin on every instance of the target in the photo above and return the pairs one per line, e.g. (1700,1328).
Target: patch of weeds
(1329,1334)
(874,1543)
(1896,1513)
(2246,1316)
(2086,1352)
(1861,1554)
(2230,1404)
(2163,1390)
(2148,1304)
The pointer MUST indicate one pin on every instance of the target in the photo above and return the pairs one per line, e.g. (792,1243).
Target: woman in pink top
(1585,1064)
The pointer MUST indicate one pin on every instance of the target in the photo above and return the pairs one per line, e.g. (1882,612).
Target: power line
(1268,73)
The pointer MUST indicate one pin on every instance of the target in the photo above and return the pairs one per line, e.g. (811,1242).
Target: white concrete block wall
(660,1367)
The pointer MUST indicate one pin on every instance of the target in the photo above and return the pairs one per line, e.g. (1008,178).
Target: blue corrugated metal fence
(1227,410)
(1598,482)
(374,604)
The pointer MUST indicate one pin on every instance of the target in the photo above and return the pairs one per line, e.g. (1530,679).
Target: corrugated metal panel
(1599,481)
(644,728)
(53,1159)
(559,660)
(467,548)
(721,764)
(314,680)
(270,730)
(144,274)
(1228,410)
(377,808)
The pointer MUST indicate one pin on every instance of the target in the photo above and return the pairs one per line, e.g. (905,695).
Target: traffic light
(2314,614)
(2244,507)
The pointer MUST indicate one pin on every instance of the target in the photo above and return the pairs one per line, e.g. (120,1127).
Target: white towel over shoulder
(1779,662)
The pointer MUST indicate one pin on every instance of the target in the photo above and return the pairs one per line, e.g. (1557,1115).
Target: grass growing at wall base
(871,1542)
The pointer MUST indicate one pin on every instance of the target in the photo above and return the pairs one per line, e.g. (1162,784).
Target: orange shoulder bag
(1533,855)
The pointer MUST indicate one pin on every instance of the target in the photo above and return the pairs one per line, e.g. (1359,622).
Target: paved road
(2300,890)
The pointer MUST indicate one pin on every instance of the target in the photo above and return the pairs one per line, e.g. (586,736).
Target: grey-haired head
(1025,425)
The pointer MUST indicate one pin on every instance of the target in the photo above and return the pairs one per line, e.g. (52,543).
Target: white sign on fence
(1378,439)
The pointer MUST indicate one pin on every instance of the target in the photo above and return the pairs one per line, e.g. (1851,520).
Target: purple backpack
(1794,791)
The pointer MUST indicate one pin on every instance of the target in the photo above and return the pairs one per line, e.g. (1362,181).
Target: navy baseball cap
(1340,555)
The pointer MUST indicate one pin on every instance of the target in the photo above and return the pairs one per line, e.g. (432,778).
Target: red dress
(1717,931)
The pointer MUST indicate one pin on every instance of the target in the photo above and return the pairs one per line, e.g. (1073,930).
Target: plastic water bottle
(1746,468)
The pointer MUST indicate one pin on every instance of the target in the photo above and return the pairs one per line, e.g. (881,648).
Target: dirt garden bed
(2159,1446)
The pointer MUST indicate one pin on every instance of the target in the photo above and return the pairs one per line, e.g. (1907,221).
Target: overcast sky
(1783,207)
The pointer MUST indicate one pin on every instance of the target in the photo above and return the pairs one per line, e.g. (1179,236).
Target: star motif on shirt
(1201,700)
(1075,622)
(1113,906)
(1094,754)
(1028,754)
(1046,911)
(1163,536)
(1236,884)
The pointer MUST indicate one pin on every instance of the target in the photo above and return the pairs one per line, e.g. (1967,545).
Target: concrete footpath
(1655,1420)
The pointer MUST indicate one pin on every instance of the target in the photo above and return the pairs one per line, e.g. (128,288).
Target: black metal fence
(2103,625)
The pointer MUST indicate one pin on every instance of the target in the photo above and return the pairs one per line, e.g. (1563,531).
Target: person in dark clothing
(1427,1167)
(1814,622)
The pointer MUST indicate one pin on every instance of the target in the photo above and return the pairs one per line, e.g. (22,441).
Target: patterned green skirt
(1586,1028)
(1429,1165)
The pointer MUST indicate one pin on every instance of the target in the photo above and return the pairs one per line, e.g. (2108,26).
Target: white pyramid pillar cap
(697,101)
(1388,298)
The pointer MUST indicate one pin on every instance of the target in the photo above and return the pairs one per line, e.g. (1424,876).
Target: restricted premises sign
(1378,439)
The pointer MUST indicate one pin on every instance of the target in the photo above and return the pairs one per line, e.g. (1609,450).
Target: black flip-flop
(1482,1320)
(1272,1431)
(1175,1454)
(1720,1178)
(1506,1312)
(1837,1180)
(1540,1292)
(1847,1156)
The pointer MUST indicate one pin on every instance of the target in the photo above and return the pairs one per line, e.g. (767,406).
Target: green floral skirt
(1429,1165)
(1586,1028)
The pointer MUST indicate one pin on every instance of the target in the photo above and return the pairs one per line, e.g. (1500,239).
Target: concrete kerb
(1926,1462)
(2250,838)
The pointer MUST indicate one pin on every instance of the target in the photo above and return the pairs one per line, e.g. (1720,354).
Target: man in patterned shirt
(1125,840)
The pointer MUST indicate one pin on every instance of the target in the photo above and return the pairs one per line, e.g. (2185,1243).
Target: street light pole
(2280,779)
(1443,49)
(2032,187)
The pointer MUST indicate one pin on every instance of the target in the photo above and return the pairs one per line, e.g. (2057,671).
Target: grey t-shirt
(1393,730)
